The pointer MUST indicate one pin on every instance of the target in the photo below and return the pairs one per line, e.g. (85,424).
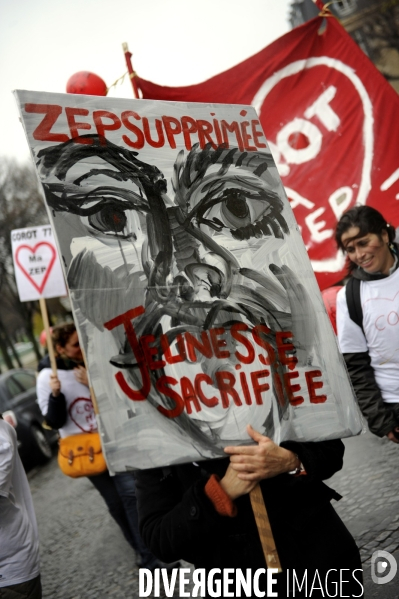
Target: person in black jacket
(369,343)
(202,513)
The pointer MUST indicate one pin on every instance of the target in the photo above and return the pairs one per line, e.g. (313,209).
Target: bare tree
(21,205)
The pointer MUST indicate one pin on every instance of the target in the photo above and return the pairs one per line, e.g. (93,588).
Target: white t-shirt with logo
(81,416)
(380,304)
(19,539)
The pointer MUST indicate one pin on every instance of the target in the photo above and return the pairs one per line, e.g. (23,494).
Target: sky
(174,42)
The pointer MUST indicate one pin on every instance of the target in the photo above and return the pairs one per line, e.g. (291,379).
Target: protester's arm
(80,373)
(57,414)
(320,459)
(353,345)
(6,458)
(51,400)
(265,459)
(380,420)
(175,523)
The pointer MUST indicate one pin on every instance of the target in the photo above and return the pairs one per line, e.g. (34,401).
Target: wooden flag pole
(132,73)
(264,529)
(46,323)
(93,395)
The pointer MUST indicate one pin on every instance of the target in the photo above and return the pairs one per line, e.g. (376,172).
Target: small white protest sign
(38,271)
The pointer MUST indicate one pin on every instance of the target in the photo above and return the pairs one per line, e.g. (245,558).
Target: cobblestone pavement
(84,556)
(369,484)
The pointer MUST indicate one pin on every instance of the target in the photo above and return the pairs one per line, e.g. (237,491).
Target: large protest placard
(191,286)
(37,267)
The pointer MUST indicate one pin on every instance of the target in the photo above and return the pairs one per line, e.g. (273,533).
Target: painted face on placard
(174,277)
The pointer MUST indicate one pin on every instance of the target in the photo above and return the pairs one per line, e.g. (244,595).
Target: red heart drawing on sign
(82,413)
(47,267)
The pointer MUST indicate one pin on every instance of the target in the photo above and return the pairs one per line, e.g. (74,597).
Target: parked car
(18,399)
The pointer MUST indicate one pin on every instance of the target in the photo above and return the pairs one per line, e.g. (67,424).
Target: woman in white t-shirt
(368,316)
(66,404)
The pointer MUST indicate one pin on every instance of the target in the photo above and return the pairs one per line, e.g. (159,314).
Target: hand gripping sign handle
(50,346)
(264,529)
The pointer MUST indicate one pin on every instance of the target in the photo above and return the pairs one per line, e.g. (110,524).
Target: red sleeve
(222,502)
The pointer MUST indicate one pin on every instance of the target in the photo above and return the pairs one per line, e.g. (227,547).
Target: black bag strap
(352,291)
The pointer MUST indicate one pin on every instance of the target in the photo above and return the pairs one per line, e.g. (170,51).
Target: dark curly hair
(367,219)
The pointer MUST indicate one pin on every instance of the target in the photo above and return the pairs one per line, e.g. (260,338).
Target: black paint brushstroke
(174,241)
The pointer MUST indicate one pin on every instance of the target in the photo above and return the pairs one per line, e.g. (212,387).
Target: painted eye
(247,213)
(231,209)
(235,211)
(109,219)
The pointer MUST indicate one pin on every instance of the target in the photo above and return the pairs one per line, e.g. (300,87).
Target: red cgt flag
(331,120)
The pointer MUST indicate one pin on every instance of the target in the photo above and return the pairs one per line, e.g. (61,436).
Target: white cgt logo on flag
(285,155)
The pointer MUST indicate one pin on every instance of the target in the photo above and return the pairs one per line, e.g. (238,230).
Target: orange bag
(81,455)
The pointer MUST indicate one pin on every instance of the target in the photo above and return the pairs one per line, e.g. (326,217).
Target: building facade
(373,24)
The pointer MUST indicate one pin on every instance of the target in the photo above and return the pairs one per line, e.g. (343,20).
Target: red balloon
(329,296)
(86,83)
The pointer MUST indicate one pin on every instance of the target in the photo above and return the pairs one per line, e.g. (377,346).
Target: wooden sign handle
(264,529)
(93,395)
(46,323)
